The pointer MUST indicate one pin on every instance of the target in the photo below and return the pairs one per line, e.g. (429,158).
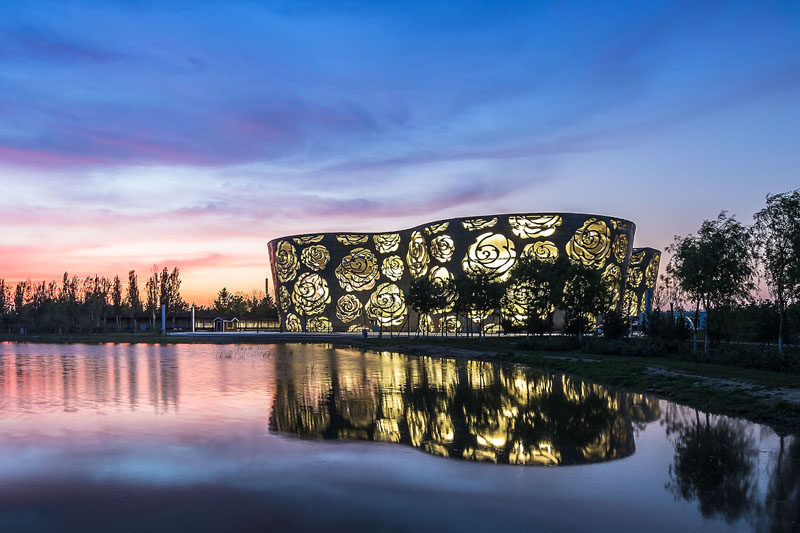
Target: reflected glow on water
(308,437)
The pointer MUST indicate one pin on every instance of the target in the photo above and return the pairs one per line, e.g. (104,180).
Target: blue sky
(134,133)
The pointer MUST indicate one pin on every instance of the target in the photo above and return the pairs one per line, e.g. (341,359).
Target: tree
(5,301)
(532,290)
(585,296)
(223,301)
(714,268)
(132,297)
(777,229)
(424,296)
(22,294)
(116,298)
(151,288)
(481,293)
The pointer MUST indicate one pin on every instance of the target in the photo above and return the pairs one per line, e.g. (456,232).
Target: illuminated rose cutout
(355,328)
(631,303)
(450,324)
(310,294)
(387,305)
(348,308)
(417,256)
(350,239)
(541,250)
(358,270)
(386,242)
(315,257)
(637,257)
(620,247)
(392,267)
(441,277)
(492,254)
(436,228)
(492,328)
(534,227)
(474,224)
(319,324)
(651,273)
(612,276)
(293,323)
(308,239)
(476,315)
(442,248)
(426,324)
(286,262)
(284,298)
(591,244)
(635,276)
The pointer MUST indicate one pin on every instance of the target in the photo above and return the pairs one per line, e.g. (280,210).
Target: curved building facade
(346,281)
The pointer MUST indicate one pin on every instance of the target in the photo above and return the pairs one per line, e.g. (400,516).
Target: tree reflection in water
(471,410)
(782,502)
(714,463)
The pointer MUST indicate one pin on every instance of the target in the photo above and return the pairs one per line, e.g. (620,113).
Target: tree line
(100,304)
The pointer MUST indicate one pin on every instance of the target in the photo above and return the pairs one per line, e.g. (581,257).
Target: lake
(208,437)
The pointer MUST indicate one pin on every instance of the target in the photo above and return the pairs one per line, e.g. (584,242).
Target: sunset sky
(140,133)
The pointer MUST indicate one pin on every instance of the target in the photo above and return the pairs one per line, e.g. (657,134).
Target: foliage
(615,324)
(256,304)
(584,297)
(777,228)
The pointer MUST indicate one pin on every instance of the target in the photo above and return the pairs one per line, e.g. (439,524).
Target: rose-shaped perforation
(442,278)
(350,239)
(348,308)
(308,239)
(386,242)
(651,272)
(417,256)
(310,294)
(637,257)
(358,270)
(387,305)
(635,276)
(426,324)
(620,247)
(541,250)
(533,227)
(284,298)
(492,254)
(474,224)
(612,276)
(315,257)
(442,248)
(293,323)
(392,267)
(436,228)
(319,324)
(286,262)
(591,244)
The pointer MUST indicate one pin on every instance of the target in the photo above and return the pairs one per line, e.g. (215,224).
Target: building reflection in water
(472,410)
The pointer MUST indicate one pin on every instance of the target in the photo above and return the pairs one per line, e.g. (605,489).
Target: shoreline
(761,396)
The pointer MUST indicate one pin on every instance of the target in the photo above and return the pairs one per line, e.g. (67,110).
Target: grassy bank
(759,395)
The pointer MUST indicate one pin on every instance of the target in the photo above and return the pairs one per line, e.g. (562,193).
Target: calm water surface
(309,437)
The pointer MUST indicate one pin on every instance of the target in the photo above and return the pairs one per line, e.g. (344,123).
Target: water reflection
(475,410)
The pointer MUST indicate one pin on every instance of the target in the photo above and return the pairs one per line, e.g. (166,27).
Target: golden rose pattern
(284,298)
(541,250)
(436,228)
(450,324)
(355,328)
(479,223)
(442,248)
(286,262)
(348,308)
(392,267)
(386,242)
(361,261)
(492,254)
(350,239)
(310,294)
(620,247)
(591,244)
(534,227)
(319,324)
(492,329)
(308,239)
(293,323)
(387,305)
(417,256)
(358,271)
(315,257)
(440,276)
(426,324)
(651,272)
(631,303)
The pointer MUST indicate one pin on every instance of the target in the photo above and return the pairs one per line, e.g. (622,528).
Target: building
(347,281)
